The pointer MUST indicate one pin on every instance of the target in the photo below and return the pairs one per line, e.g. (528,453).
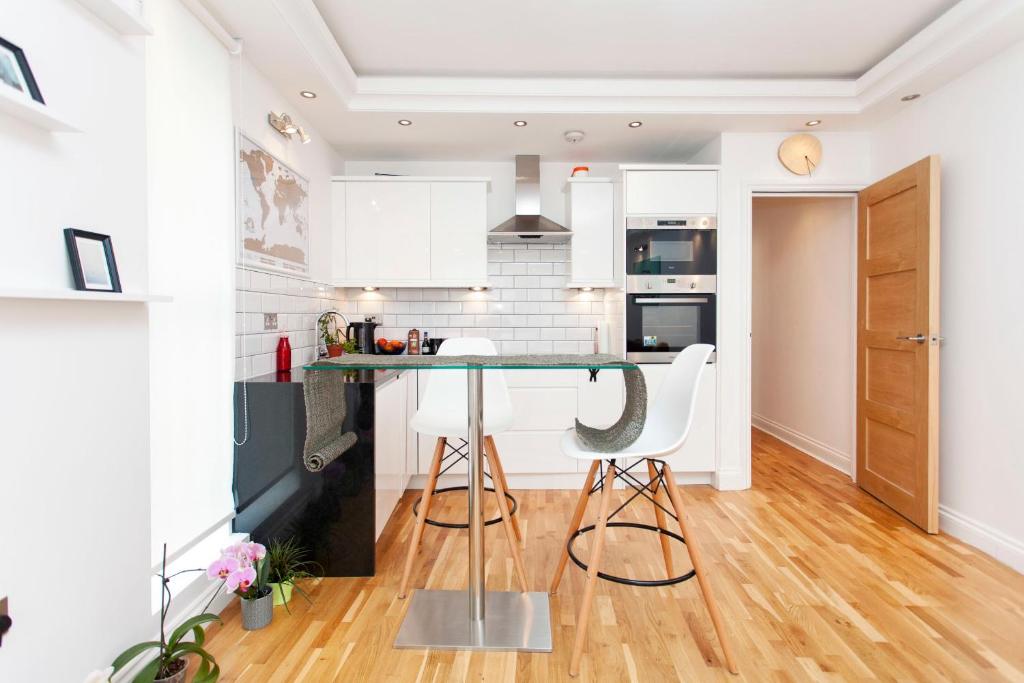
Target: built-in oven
(671,245)
(666,316)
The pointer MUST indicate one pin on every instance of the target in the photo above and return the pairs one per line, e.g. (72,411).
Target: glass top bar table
(475,619)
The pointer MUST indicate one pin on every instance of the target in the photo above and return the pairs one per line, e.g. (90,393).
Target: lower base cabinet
(390,431)
(698,454)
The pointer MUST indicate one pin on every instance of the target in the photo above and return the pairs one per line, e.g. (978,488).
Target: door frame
(776,188)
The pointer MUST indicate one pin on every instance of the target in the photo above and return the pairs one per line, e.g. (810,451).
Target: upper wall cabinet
(660,192)
(409,232)
(591,217)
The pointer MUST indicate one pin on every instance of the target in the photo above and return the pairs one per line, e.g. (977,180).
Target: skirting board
(571,480)
(812,447)
(1007,550)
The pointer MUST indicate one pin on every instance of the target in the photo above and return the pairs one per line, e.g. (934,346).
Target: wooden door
(898,342)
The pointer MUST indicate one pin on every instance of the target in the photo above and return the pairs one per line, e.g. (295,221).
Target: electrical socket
(269,322)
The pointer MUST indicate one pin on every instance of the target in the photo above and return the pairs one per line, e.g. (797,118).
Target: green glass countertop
(538,361)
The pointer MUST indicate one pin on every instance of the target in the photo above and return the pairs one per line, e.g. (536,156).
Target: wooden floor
(816,580)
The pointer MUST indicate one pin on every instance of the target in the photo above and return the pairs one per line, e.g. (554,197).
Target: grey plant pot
(258,612)
(176,678)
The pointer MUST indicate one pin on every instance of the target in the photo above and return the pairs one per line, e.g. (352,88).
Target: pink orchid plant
(243,569)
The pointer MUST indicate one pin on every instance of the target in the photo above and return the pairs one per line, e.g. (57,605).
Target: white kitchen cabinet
(390,434)
(458,231)
(670,192)
(387,232)
(698,453)
(591,217)
(409,231)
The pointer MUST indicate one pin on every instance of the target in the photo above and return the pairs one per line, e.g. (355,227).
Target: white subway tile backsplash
(527,309)
(526,281)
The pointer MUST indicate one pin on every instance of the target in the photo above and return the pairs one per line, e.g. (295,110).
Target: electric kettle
(363,334)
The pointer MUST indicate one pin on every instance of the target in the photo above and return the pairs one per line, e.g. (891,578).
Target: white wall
(317,161)
(974,124)
(192,250)
(74,466)
(803,320)
(750,162)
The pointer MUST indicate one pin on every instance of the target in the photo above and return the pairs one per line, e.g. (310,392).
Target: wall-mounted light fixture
(284,125)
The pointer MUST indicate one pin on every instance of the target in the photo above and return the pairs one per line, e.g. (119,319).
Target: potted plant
(169,665)
(287,566)
(244,569)
(335,347)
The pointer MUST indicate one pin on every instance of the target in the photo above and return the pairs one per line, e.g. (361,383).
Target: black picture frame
(26,70)
(83,281)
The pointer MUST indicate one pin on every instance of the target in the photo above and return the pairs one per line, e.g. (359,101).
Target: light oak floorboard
(816,580)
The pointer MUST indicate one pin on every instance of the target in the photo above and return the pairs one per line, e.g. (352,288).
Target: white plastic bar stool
(667,426)
(443,414)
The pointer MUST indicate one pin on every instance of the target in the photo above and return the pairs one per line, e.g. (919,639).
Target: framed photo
(92,261)
(15,72)
(272,212)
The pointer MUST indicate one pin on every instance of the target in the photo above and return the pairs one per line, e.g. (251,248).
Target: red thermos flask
(284,354)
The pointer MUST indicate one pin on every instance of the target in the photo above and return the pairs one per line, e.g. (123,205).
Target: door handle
(919,338)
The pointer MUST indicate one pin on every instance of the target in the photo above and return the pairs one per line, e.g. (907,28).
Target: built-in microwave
(666,318)
(671,245)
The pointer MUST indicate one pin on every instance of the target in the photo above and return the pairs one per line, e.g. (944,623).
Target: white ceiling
(624,38)
(594,65)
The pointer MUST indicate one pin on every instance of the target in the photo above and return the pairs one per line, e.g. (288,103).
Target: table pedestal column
(490,620)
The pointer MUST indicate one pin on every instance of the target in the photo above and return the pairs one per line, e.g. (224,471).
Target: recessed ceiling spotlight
(369,289)
(911,97)
(308,94)
(404,122)
(586,289)
(519,124)
(478,288)
(635,124)
(815,122)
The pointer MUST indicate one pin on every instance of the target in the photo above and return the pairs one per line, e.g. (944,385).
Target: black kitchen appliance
(363,334)
(671,245)
(666,318)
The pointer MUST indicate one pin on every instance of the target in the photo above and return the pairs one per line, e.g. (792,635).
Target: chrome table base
(475,619)
(514,621)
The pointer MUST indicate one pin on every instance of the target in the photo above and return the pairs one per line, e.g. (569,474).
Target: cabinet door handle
(919,338)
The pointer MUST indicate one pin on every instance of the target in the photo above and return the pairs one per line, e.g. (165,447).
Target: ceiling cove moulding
(960,38)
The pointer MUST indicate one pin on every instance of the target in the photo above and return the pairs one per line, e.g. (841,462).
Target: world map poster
(273,210)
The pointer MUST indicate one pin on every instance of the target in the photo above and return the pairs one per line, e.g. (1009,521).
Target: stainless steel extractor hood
(528,226)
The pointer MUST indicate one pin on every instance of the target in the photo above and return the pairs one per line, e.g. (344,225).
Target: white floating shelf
(120,18)
(32,112)
(76,295)
(409,179)
(587,179)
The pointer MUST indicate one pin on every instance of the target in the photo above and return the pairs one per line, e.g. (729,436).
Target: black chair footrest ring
(513,506)
(619,579)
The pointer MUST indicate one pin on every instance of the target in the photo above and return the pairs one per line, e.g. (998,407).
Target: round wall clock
(800,153)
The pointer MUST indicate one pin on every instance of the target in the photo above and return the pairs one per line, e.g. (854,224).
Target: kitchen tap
(321,346)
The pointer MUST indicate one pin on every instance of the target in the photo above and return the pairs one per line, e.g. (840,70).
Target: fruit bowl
(390,347)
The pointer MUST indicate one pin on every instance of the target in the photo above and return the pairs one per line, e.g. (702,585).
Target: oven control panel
(661,284)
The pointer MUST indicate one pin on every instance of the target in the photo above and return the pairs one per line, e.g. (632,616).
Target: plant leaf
(187,626)
(211,677)
(133,652)
(148,674)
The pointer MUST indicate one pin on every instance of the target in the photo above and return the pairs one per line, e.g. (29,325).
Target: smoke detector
(573,136)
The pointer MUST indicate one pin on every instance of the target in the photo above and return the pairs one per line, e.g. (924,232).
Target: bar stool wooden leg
(421,515)
(659,515)
(574,525)
(595,560)
(498,472)
(513,544)
(698,567)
